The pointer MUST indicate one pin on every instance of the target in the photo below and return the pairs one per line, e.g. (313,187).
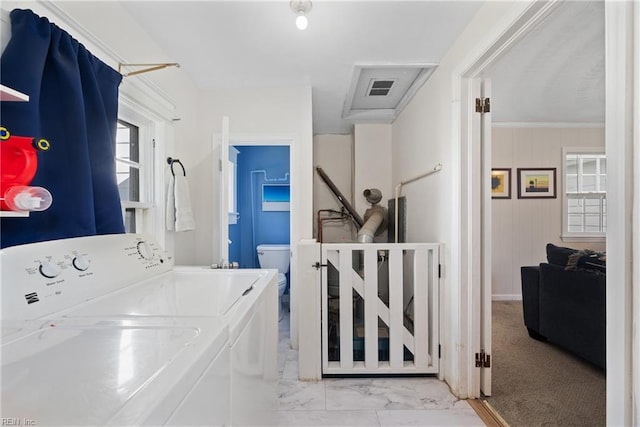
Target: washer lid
(192,293)
(110,372)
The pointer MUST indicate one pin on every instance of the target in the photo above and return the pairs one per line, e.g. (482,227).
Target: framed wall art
(500,183)
(537,183)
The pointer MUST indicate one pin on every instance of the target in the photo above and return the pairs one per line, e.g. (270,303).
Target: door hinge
(439,351)
(439,271)
(220,165)
(483,360)
(483,105)
(317,265)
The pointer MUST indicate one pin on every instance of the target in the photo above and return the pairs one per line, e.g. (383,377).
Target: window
(128,170)
(134,159)
(585,196)
(144,130)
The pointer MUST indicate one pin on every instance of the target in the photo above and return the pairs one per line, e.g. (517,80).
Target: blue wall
(269,227)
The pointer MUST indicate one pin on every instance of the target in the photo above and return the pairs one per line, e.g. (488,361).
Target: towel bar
(171,161)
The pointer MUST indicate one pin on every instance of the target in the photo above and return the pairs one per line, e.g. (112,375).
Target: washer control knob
(144,250)
(81,262)
(49,269)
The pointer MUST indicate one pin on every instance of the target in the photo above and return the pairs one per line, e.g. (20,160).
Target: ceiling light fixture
(301,8)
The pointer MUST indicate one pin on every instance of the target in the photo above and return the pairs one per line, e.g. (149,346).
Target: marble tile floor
(364,401)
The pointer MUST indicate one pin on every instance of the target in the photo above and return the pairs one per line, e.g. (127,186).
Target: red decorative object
(18,165)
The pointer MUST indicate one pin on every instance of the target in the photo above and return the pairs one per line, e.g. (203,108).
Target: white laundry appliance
(103,331)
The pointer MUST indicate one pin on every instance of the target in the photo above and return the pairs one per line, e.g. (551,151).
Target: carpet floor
(538,384)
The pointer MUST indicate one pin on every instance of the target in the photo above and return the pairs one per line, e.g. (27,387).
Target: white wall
(522,228)
(372,166)
(277,112)
(334,154)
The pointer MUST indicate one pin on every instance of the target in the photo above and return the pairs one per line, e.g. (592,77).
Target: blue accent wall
(255,226)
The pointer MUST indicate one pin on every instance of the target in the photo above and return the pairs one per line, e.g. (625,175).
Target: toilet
(276,256)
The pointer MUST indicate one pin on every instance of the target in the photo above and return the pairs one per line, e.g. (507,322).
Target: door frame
(474,161)
(297,195)
(621,133)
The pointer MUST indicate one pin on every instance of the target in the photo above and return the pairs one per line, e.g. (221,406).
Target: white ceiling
(252,44)
(556,73)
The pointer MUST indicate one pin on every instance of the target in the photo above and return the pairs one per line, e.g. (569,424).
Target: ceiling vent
(378,93)
(380,87)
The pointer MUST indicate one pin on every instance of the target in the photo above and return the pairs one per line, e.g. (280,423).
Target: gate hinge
(483,360)
(317,265)
(483,105)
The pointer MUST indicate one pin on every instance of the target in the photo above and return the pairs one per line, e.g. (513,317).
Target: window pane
(572,183)
(128,148)
(603,183)
(589,166)
(572,165)
(592,223)
(592,206)
(603,165)
(130,220)
(589,183)
(128,182)
(575,205)
(575,223)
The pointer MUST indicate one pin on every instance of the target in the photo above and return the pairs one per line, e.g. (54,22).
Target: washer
(123,338)
(116,372)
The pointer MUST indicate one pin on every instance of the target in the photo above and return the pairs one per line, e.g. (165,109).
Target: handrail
(436,168)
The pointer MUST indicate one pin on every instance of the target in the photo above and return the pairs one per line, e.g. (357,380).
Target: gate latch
(317,265)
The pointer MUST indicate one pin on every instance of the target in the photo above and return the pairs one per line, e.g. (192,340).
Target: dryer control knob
(49,269)
(144,250)
(81,262)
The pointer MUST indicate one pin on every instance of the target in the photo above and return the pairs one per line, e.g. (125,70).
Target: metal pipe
(354,214)
(321,221)
(435,169)
(366,233)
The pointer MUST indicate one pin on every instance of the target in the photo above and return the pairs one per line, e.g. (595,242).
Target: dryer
(185,338)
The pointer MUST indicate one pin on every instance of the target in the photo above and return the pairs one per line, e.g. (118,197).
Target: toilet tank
(274,256)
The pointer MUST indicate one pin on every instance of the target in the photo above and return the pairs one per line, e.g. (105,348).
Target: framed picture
(500,183)
(537,183)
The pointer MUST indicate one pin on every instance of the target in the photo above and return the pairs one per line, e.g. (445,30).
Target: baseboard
(506,297)
(487,413)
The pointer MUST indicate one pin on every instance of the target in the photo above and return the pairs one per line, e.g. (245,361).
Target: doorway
(481,68)
(262,201)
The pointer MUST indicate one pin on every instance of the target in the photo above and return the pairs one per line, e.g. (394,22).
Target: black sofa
(564,302)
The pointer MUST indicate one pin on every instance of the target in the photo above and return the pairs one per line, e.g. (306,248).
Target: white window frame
(152,132)
(574,236)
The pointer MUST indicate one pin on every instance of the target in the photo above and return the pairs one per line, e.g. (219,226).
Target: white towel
(179,212)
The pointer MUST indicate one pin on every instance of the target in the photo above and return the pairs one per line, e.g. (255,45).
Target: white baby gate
(380,308)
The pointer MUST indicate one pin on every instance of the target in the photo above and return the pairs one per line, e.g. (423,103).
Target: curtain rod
(152,67)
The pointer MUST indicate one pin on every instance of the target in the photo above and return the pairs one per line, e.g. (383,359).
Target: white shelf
(8,94)
(14,213)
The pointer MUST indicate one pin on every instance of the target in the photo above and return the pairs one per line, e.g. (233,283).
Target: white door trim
(621,121)
(473,239)
(623,348)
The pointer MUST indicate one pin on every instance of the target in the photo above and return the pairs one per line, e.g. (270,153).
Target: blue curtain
(74,105)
